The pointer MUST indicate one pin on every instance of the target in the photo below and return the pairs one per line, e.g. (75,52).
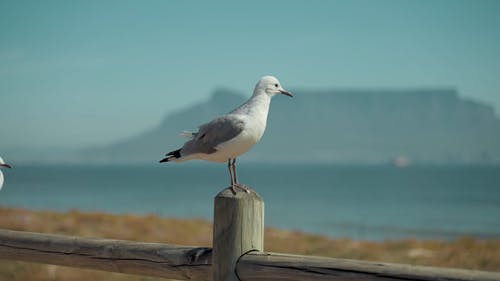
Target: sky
(83,73)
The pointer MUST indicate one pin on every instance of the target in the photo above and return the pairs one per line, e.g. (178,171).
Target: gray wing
(212,134)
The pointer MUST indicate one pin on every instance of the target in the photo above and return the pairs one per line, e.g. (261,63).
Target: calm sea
(360,202)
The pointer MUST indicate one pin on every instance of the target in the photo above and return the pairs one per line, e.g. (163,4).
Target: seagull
(3,164)
(231,135)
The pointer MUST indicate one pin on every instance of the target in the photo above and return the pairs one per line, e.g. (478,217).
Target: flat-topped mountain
(339,126)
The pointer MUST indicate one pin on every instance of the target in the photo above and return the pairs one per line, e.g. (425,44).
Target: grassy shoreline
(464,252)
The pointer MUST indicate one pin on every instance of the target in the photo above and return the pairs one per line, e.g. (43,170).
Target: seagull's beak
(6,165)
(285,93)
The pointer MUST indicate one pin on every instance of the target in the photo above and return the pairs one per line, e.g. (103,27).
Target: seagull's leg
(234,171)
(233,182)
(242,186)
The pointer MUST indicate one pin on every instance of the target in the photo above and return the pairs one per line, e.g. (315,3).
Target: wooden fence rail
(151,259)
(286,267)
(237,255)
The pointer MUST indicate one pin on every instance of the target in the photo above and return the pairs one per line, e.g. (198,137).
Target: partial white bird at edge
(3,165)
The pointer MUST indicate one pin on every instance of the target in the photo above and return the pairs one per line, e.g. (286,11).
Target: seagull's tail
(172,155)
(188,134)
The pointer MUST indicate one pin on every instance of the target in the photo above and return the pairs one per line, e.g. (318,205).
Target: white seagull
(231,135)
(3,164)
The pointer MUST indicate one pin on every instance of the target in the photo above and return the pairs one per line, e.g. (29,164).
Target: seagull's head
(3,164)
(270,86)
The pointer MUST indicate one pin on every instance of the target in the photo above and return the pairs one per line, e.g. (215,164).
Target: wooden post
(238,229)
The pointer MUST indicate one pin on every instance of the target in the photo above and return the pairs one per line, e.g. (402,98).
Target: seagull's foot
(243,187)
(233,189)
(240,186)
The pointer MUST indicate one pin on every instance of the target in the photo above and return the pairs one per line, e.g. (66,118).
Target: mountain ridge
(361,126)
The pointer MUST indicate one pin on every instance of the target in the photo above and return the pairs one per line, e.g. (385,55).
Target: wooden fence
(237,254)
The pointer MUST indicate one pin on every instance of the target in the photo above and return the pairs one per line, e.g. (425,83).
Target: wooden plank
(238,229)
(271,266)
(151,259)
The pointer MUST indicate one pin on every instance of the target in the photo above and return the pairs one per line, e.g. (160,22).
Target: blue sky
(82,73)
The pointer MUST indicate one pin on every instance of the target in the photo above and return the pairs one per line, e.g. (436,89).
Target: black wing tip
(165,160)
(171,155)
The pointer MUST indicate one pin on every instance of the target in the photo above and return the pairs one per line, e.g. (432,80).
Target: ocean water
(360,202)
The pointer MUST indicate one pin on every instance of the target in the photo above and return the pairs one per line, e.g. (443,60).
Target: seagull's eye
(276,85)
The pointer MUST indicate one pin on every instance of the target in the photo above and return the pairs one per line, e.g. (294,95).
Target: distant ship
(400,162)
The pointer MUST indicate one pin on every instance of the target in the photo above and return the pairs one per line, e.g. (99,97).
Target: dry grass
(465,252)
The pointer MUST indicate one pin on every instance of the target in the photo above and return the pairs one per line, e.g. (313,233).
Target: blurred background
(393,133)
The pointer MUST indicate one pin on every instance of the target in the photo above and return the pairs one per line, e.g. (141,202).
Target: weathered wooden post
(238,229)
